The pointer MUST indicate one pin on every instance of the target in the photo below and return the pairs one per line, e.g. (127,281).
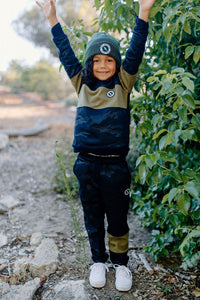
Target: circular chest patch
(127,192)
(110,94)
(105,48)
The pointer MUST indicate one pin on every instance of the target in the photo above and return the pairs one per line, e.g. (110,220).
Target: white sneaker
(123,279)
(98,275)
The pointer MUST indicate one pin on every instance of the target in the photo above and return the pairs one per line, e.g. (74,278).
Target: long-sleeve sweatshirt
(103,115)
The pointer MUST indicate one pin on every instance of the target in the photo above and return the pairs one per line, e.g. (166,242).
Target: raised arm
(60,39)
(145,6)
(49,9)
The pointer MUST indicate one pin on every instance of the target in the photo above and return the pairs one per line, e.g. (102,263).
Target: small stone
(196,292)
(9,201)
(3,240)
(4,140)
(70,289)
(46,259)
(19,292)
(3,208)
(36,239)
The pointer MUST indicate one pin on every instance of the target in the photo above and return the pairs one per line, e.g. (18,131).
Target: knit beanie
(103,43)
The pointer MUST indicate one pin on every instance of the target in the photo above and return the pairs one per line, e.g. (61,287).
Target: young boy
(101,137)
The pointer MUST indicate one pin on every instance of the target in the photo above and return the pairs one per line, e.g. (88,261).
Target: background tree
(42,78)
(33,26)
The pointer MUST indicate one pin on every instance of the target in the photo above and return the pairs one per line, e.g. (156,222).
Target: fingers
(45,2)
(38,3)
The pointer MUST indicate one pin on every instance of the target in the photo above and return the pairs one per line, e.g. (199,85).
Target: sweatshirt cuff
(141,24)
(57,31)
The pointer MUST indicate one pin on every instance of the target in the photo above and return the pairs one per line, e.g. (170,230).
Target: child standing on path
(101,137)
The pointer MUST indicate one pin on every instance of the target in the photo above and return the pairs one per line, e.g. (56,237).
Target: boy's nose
(102,64)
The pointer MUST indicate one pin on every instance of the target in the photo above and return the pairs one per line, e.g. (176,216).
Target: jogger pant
(104,189)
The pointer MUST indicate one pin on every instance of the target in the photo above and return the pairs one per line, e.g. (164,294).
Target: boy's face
(104,66)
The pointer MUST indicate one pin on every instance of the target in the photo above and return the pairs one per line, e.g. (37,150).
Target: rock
(3,208)
(19,292)
(29,131)
(20,266)
(36,239)
(4,140)
(3,240)
(69,289)
(45,261)
(4,287)
(9,201)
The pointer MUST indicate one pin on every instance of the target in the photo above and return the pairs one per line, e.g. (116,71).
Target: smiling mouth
(105,72)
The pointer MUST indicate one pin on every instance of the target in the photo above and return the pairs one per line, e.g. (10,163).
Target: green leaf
(183,203)
(165,140)
(192,187)
(175,135)
(168,31)
(177,70)
(140,159)
(187,134)
(186,27)
(149,161)
(156,175)
(156,119)
(189,236)
(152,79)
(188,83)
(143,171)
(182,112)
(196,121)
(154,11)
(156,135)
(164,199)
(196,55)
(155,157)
(163,72)
(172,194)
(189,173)
(188,100)
(188,51)
(166,157)
(174,219)
(176,174)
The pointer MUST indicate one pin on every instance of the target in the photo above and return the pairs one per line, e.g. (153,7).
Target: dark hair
(87,73)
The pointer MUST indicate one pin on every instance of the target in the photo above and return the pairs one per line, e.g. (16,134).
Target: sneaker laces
(96,266)
(125,272)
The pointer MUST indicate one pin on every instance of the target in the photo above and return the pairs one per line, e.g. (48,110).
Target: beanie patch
(105,49)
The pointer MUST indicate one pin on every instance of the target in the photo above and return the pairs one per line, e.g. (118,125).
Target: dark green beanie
(103,43)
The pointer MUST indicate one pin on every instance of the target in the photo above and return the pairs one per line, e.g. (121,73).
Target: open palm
(48,7)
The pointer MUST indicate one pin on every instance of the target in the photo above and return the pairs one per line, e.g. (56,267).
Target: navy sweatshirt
(103,116)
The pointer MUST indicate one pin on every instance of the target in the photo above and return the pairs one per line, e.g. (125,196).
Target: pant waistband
(106,155)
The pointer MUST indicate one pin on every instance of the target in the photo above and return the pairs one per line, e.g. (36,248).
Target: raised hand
(145,6)
(49,9)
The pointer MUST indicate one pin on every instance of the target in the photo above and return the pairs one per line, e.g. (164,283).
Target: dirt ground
(26,171)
